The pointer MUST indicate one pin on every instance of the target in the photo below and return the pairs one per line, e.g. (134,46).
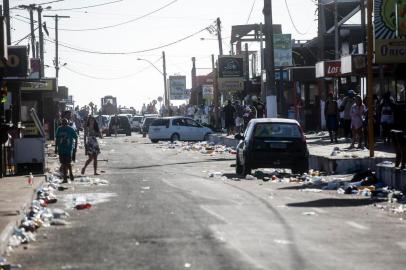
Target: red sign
(332,68)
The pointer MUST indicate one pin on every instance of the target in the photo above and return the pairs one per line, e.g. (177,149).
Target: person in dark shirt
(65,146)
(229,117)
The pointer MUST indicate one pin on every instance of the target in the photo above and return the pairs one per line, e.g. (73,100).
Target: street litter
(314,190)
(309,214)
(146,188)
(215,174)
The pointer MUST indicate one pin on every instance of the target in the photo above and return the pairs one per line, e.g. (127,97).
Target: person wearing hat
(66,145)
(345,107)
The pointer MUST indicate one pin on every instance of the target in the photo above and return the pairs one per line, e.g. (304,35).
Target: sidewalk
(16,196)
(15,200)
(330,158)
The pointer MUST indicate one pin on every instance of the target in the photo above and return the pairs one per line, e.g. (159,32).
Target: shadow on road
(171,164)
(333,203)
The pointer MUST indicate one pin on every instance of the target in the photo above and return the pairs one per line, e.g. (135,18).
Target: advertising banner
(389,23)
(231,73)
(282,50)
(47,85)
(207,91)
(17,62)
(177,87)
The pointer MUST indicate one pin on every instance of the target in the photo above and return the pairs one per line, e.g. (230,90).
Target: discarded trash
(250,177)
(309,214)
(315,190)
(83,206)
(59,222)
(215,174)
(30,179)
(146,188)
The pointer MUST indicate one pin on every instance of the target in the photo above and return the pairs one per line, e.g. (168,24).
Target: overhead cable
(91,6)
(252,8)
(293,23)
(133,52)
(122,23)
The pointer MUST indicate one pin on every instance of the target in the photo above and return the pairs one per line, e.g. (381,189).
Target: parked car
(177,128)
(136,122)
(146,122)
(124,126)
(272,143)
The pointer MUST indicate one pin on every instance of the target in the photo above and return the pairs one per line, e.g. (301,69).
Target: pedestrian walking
(229,117)
(345,107)
(66,145)
(340,115)
(331,115)
(387,112)
(92,148)
(356,113)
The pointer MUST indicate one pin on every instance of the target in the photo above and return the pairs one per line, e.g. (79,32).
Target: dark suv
(124,126)
(272,143)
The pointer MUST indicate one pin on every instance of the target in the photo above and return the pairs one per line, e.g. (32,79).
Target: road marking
(402,245)
(357,225)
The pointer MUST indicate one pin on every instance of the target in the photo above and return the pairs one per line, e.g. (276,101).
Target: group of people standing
(66,143)
(236,115)
(350,115)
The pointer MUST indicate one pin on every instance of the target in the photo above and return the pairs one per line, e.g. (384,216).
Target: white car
(135,122)
(177,128)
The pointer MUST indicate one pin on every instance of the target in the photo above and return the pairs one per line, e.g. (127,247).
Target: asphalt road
(162,211)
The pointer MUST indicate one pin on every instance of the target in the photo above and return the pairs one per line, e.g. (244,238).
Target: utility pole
(220,40)
(166,92)
(363,28)
(32,30)
(247,64)
(271,103)
(6,6)
(56,18)
(216,94)
(41,42)
(370,82)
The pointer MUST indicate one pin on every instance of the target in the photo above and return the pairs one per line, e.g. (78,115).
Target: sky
(90,76)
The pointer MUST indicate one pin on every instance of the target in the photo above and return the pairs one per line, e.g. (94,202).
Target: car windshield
(277,130)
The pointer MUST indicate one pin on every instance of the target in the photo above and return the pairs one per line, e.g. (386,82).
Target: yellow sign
(389,47)
(30,129)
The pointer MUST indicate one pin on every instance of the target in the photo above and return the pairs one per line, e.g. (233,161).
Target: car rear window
(277,130)
(160,122)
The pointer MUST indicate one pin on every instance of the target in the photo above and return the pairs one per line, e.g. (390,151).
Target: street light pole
(167,97)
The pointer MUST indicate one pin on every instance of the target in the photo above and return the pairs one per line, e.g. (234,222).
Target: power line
(111,78)
(122,23)
(91,6)
(252,8)
(133,52)
(293,23)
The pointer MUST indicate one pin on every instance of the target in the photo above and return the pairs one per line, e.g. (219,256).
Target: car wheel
(206,137)
(154,141)
(303,168)
(246,169)
(238,167)
(175,137)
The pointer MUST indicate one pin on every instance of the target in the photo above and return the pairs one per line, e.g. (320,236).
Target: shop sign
(30,129)
(231,73)
(35,68)
(207,91)
(328,69)
(354,64)
(177,87)
(282,50)
(389,29)
(17,62)
(47,85)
